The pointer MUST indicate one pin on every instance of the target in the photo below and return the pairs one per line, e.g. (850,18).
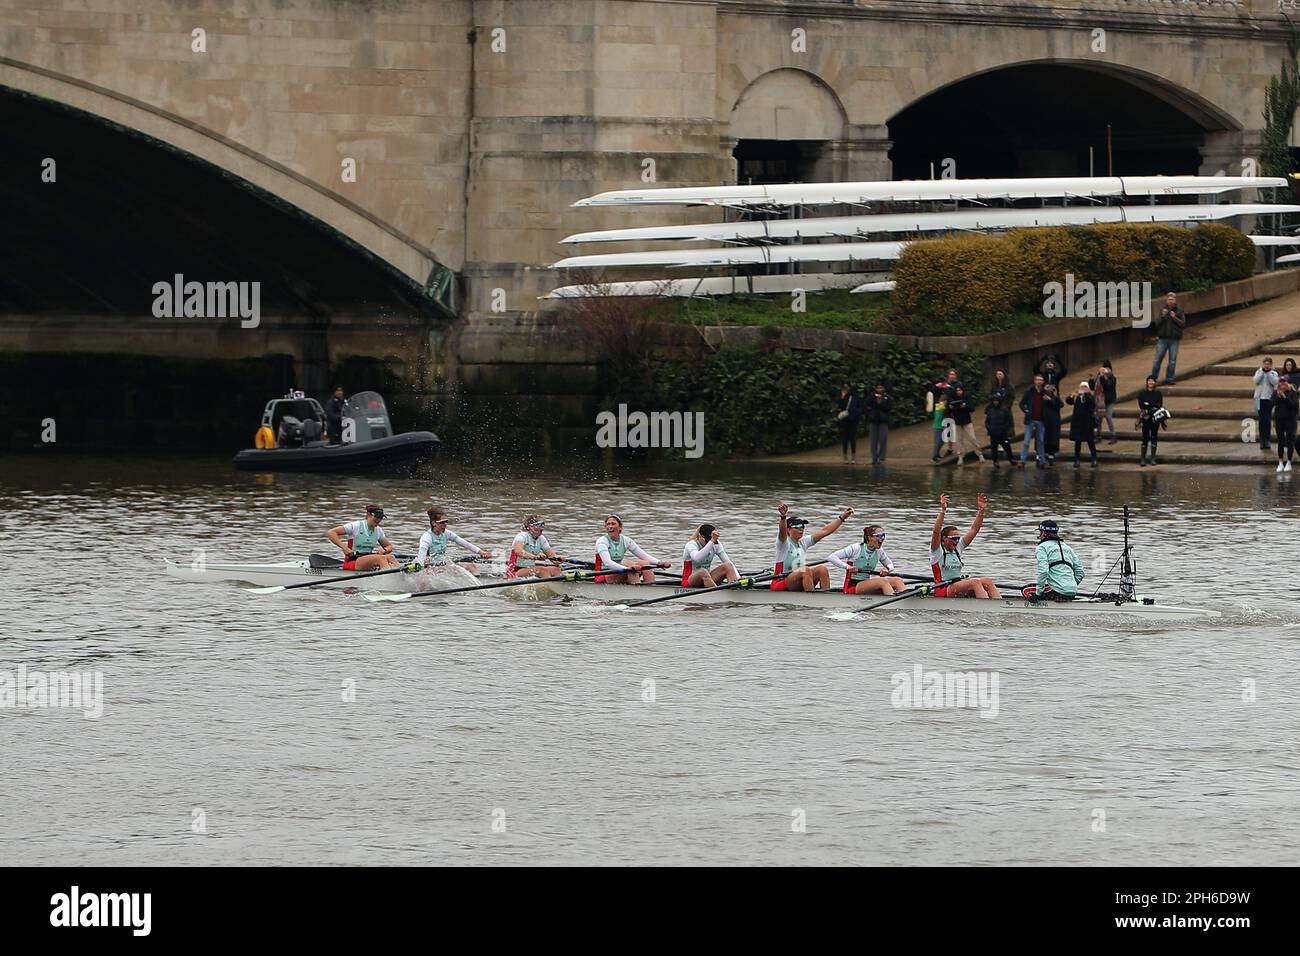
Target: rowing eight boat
(284,573)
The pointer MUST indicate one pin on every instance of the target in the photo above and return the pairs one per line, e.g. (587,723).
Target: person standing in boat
(867,568)
(703,551)
(612,549)
(1059,570)
(367,547)
(792,552)
(433,543)
(529,548)
(947,550)
(1150,401)
(334,416)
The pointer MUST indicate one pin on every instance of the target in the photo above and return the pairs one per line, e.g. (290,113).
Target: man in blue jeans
(1169,335)
(1034,404)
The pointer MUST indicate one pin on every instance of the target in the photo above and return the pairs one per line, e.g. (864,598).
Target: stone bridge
(396,173)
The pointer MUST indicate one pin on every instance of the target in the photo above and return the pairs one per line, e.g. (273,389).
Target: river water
(317,727)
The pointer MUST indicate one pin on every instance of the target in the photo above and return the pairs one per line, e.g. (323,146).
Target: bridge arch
(290,191)
(1041,116)
(782,125)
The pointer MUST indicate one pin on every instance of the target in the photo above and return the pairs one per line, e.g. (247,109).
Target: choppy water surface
(228,707)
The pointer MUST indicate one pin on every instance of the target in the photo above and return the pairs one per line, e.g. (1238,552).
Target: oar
(512,583)
(920,579)
(277,588)
(742,583)
(323,562)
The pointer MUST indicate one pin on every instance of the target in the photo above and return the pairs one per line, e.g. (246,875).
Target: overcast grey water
(315,727)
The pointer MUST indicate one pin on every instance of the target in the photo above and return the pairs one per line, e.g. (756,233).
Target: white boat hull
(836,600)
(284,573)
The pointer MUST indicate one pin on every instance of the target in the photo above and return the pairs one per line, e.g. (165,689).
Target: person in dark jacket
(1051,368)
(1150,401)
(1169,335)
(1286,409)
(1290,372)
(1002,388)
(1083,424)
(998,423)
(879,405)
(959,408)
(334,416)
(1052,423)
(850,413)
(1034,404)
(1105,391)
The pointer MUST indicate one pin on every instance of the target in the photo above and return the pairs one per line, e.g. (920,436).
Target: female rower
(860,561)
(791,552)
(946,550)
(612,548)
(701,551)
(367,547)
(530,547)
(433,543)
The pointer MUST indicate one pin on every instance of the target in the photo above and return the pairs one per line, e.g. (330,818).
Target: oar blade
(379,596)
(273,589)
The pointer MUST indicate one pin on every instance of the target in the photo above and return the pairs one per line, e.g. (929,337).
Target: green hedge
(966,284)
(757,401)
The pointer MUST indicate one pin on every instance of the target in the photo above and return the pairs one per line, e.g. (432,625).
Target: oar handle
(742,583)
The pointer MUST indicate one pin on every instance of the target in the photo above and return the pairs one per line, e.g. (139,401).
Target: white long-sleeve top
(701,557)
(845,557)
(434,547)
(607,563)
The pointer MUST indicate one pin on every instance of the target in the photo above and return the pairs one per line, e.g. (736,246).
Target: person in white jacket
(1265,386)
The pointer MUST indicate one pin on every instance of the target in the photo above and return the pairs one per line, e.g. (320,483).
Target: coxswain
(433,543)
(529,548)
(947,553)
(1059,571)
(704,560)
(792,552)
(867,568)
(612,549)
(367,547)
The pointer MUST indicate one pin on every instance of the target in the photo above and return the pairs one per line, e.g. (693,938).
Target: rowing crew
(867,567)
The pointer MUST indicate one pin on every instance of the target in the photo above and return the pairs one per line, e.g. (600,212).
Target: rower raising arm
(947,556)
(791,551)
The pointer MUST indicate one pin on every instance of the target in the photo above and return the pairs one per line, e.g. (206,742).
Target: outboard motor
(290,432)
(311,431)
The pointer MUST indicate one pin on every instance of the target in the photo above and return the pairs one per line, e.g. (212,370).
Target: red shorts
(940,592)
(850,586)
(350,564)
(778,585)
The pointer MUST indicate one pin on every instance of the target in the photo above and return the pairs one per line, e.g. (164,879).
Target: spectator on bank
(1052,368)
(960,411)
(1034,404)
(1286,408)
(1266,380)
(953,379)
(1169,335)
(1150,401)
(1104,387)
(999,424)
(850,413)
(1052,423)
(334,416)
(879,405)
(937,400)
(1002,388)
(1083,424)
(1290,372)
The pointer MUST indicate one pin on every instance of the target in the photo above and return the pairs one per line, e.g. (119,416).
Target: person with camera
(850,413)
(879,406)
(1266,380)
(1105,390)
(1150,404)
(1083,424)
(1169,335)
(1034,404)
(999,425)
